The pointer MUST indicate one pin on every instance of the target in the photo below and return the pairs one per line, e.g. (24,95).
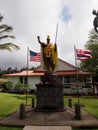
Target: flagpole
(27,74)
(77,76)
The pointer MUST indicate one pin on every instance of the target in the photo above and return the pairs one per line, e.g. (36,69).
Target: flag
(83,54)
(35,56)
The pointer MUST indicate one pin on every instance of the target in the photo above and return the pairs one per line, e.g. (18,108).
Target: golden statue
(49,54)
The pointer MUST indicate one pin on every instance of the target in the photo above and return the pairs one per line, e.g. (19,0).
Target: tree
(21,87)
(4,28)
(91,65)
(6,86)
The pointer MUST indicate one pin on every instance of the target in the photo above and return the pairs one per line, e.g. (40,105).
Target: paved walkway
(65,118)
(47,128)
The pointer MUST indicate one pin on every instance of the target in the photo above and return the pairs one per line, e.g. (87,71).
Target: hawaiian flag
(35,56)
(83,54)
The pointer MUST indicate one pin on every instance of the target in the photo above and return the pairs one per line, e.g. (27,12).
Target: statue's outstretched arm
(43,44)
(38,37)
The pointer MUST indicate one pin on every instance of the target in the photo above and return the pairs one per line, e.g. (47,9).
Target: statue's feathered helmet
(48,37)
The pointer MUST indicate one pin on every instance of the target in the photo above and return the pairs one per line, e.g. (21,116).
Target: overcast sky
(32,18)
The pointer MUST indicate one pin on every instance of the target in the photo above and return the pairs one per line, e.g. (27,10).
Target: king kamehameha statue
(49,92)
(49,55)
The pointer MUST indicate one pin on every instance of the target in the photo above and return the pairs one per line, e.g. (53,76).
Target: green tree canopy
(4,29)
(92,44)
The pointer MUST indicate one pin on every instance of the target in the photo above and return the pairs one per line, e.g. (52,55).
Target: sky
(32,18)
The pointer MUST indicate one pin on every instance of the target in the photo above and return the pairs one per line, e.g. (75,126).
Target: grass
(11,102)
(89,103)
(85,129)
(10,128)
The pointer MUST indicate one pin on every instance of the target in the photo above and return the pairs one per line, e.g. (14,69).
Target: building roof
(63,68)
(25,73)
(33,73)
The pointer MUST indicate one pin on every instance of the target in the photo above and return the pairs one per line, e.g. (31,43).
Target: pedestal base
(50,95)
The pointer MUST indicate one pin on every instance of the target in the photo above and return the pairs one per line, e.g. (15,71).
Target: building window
(25,80)
(60,79)
(21,80)
(73,79)
(67,80)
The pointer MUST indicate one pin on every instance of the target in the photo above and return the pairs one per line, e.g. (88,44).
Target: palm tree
(4,28)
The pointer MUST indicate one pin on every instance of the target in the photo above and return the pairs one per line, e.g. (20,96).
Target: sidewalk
(65,118)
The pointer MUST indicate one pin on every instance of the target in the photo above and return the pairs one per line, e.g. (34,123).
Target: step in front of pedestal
(47,128)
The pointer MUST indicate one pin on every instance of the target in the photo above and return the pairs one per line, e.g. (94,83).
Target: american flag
(83,54)
(34,56)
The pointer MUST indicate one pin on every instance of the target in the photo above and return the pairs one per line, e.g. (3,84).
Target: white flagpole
(27,73)
(77,76)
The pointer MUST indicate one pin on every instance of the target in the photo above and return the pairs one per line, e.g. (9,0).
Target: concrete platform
(64,118)
(47,128)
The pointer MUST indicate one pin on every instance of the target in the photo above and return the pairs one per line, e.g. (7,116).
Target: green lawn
(11,102)
(10,128)
(85,129)
(89,103)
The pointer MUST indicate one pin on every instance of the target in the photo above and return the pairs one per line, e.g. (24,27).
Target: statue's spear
(56,33)
(56,54)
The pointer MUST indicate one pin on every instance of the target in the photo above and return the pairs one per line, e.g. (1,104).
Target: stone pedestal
(49,94)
